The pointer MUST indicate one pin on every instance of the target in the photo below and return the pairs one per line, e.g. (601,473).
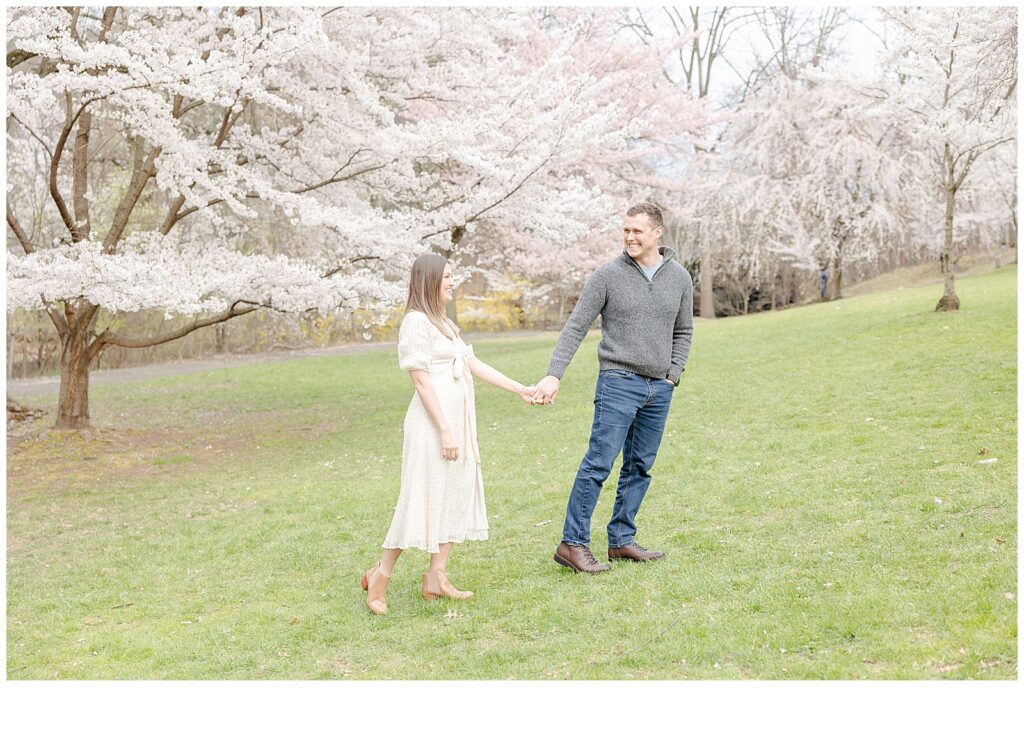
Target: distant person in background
(824,283)
(441,501)
(645,300)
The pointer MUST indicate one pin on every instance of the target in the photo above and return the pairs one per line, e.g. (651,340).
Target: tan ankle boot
(375,583)
(436,584)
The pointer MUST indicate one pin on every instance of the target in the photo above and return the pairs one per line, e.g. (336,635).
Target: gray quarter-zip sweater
(646,324)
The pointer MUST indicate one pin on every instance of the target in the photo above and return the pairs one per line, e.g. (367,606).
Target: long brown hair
(425,292)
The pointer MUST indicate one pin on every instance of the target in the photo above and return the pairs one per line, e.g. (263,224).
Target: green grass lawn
(818,492)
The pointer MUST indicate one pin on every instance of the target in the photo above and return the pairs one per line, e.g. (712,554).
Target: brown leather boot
(578,558)
(376,586)
(436,584)
(633,552)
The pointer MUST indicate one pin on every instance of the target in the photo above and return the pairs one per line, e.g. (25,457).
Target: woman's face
(447,285)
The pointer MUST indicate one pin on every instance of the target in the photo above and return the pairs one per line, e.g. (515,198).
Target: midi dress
(439,501)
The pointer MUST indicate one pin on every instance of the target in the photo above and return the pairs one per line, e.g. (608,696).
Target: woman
(441,501)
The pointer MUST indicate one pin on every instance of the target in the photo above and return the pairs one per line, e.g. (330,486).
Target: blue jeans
(629,416)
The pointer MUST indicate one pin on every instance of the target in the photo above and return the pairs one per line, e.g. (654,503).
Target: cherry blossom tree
(951,84)
(640,123)
(839,161)
(829,169)
(173,139)
(208,127)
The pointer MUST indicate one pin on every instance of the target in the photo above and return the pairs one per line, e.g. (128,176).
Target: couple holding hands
(645,300)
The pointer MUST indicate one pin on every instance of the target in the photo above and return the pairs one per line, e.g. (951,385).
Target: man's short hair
(652,211)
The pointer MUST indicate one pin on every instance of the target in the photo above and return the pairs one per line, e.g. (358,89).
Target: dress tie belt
(462,373)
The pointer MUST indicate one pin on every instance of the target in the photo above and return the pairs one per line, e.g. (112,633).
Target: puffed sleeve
(414,340)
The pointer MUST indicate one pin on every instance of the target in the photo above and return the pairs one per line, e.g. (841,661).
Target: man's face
(641,240)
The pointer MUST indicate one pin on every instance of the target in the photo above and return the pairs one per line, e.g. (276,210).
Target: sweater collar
(667,252)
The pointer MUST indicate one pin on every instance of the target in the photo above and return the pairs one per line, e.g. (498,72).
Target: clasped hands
(543,393)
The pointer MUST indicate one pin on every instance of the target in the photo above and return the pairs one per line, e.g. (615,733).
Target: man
(645,301)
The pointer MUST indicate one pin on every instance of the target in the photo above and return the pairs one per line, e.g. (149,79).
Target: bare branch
(23,239)
(498,201)
(254,196)
(191,106)
(454,198)
(33,134)
(353,260)
(335,180)
(972,155)
(17,56)
(106,338)
(1007,96)
(344,166)
(142,170)
(58,150)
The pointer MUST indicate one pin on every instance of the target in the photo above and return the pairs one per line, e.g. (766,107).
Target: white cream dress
(439,501)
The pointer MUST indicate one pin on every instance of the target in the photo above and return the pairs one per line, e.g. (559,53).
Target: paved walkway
(20,389)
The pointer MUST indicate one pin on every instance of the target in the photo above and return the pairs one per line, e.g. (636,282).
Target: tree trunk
(707,288)
(40,351)
(949,299)
(73,404)
(787,287)
(1011,230)
(836,285)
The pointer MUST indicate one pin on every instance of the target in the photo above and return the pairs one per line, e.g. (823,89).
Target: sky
(859,45)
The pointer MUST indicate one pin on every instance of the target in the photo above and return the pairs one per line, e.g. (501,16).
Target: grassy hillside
(820,494)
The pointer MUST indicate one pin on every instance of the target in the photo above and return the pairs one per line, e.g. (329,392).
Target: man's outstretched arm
(589,306)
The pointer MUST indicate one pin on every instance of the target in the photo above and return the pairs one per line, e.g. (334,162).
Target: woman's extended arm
(489,374)
(421,379)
